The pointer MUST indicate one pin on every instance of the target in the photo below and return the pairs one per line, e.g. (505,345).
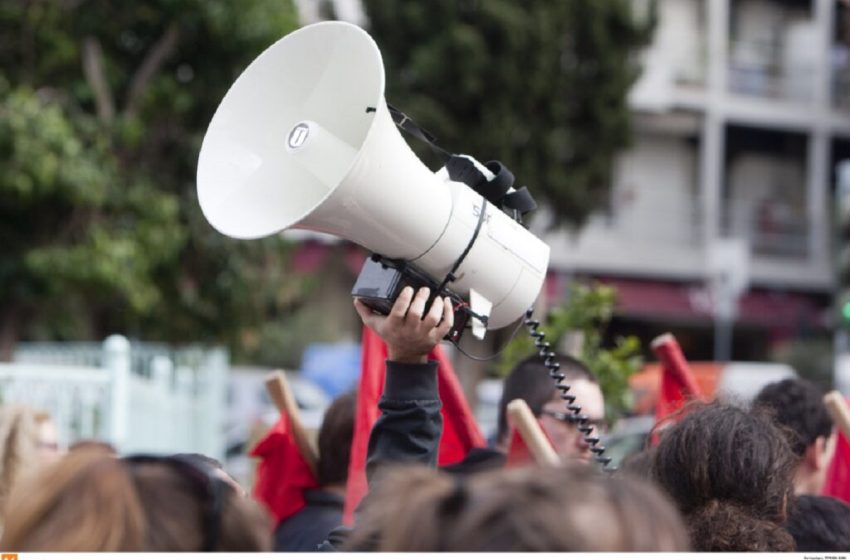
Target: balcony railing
(758,69)
(774,228)
(667,224)
(841,76)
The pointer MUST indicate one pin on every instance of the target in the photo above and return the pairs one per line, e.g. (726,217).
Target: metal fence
(139,397)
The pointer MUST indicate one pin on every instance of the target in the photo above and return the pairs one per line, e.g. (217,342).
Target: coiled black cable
(545,352)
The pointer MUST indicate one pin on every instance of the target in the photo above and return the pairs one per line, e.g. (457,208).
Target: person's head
(335,440)
(530,381)
(797,405)
(730,472)
(819,524)
(216,468)
(565,509)
(28,441)
(92,501)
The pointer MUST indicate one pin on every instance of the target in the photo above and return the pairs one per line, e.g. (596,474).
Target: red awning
(691,301)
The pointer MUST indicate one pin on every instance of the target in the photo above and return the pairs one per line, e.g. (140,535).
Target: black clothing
(408,430)
(479,459)
(304,531)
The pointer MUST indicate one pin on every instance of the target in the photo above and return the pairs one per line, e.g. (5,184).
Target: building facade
(740,115)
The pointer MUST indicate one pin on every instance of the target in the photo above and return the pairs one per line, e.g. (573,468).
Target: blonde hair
(533,510)
(91,501)
(19,454)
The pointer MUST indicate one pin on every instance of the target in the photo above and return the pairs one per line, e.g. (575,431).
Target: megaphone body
(304,139)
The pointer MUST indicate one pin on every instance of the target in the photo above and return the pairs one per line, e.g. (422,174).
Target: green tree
(540,85)
(103,106)
(580,323)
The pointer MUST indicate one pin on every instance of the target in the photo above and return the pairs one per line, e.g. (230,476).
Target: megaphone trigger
(381,281)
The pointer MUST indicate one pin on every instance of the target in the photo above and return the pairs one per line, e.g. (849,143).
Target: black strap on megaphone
(407,124)
(462,169)
(496,190)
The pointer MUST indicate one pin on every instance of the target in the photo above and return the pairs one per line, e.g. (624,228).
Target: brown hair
(730,473)
(335,439)
(90,501)
(538,509)
(19,435)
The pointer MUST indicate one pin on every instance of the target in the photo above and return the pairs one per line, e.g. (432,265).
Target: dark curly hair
(797,405)
(730,472)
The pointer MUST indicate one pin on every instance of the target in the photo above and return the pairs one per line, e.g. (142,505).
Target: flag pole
(839,411)
(281,395)
(524,422)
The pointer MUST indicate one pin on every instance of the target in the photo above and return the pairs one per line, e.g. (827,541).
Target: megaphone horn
(304,139)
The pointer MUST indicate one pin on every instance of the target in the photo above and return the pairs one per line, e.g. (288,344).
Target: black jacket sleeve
(408,430)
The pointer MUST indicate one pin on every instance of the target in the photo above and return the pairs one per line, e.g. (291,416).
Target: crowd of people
(722,478)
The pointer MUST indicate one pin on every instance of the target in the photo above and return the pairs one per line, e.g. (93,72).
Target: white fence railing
(139,397)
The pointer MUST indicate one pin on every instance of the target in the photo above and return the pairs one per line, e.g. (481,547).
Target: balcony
(773,228)
(765,197)
(773,50)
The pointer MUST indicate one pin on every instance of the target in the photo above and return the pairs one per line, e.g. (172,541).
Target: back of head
(91,501)
(531,510)
(530,381)
(819,524)
(85,502)
(730,473)
(186,508)
(797,404)
(335,439)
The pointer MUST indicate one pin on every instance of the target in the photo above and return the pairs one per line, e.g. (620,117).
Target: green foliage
(584,317)
(540,85)
(69,228)
(103,106)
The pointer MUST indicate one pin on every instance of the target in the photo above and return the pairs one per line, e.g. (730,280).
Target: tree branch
(96,77)
(158,54)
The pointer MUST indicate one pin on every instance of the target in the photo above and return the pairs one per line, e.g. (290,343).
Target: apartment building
(740,116)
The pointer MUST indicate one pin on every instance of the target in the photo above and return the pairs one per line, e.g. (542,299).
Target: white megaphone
(304,139)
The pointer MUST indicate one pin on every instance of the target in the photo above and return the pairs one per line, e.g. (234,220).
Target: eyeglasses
(600,424)
(204,479)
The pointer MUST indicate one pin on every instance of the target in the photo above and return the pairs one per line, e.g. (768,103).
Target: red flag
(460,431)
(837,482)
(519,455)
(283,474)
(678,384)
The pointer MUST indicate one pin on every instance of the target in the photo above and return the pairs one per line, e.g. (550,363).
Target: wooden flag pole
(524,422)
(839,411)
(281,395)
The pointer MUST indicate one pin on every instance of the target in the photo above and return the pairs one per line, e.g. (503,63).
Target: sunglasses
(600,424)
(204,480)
